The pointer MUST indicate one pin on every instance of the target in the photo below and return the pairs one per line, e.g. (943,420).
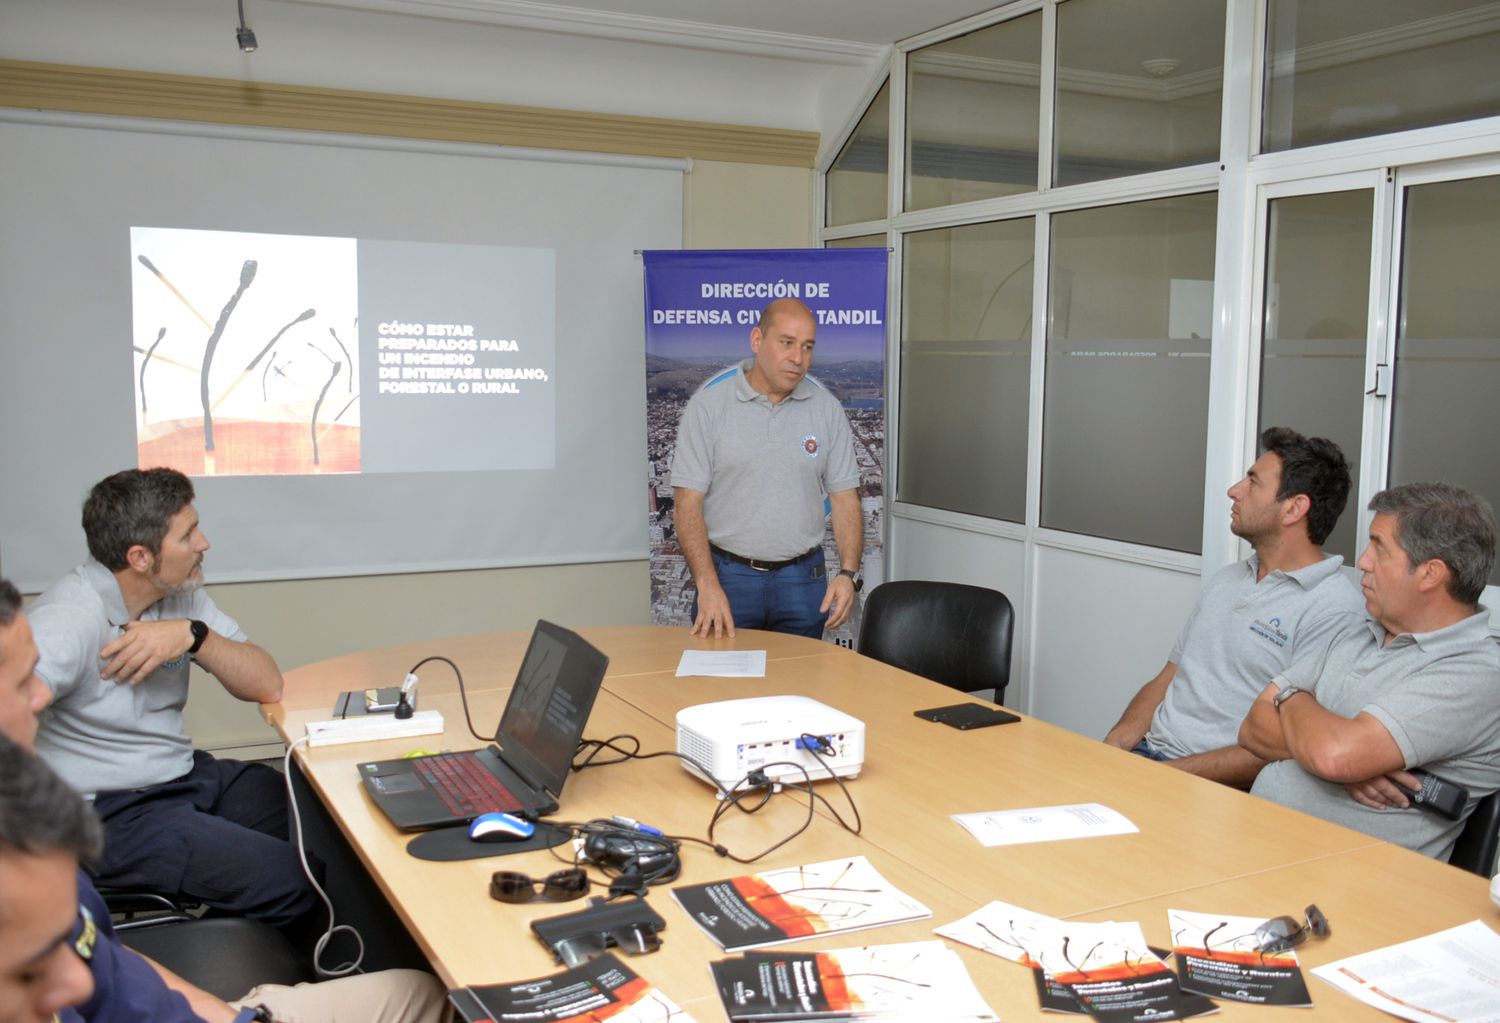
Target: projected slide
(264,354)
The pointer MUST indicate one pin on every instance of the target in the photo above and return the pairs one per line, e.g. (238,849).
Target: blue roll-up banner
(700,308)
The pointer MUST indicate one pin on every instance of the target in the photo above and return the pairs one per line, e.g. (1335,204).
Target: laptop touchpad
(395,784)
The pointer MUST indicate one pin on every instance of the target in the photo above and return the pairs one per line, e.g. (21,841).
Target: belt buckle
(757,565)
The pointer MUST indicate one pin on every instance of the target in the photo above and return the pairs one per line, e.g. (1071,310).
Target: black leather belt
(763,566)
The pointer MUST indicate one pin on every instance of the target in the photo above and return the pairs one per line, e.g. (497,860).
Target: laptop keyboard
(464,785)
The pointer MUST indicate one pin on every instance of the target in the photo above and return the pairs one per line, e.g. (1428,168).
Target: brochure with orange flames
(915,980)
(1113,974)
(1220,956)
(777,906)
(592,992)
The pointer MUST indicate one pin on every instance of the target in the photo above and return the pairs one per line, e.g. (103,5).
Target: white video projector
(732,738)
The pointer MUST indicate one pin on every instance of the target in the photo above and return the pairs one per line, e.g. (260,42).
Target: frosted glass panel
(1345,69)
(1130,318)
(1316,320)
(864,241)
(1448,339)
(966,368)
(973,109)
(1139,86)
(857,180)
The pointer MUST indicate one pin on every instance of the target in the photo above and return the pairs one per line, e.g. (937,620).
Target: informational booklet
(602,988)
(1045,824)
(723,663)
(1114,975)
(1219,956)
(918,980)
(777,906)
(1452,976)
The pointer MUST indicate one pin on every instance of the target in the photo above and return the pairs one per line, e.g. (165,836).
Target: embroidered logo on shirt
(810,446)
(1270,630)
(88,934)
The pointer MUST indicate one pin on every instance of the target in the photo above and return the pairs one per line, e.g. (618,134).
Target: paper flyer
(1220,956)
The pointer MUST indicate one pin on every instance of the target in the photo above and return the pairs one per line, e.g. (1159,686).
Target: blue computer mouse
(500,827)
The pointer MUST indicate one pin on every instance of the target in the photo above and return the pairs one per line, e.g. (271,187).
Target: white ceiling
(836,31)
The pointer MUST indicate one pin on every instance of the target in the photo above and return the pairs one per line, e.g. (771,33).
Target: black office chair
(1479,841)
(225,956)
(951,633)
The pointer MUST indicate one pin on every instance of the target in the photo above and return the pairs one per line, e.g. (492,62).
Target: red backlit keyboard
(464,785)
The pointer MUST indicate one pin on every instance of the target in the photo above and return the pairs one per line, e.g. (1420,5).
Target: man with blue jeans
(760,449)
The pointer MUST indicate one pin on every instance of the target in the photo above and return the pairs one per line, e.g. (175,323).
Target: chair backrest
(951,633)
(1480,839)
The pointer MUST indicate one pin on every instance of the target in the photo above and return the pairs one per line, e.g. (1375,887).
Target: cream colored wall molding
(95,90)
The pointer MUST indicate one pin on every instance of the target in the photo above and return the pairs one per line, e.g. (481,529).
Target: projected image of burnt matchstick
(334,334)
(337,366)
(149,352)
(306,314)
(247,275)
(173,289)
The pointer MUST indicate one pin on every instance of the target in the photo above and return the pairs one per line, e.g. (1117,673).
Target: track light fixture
(243,35)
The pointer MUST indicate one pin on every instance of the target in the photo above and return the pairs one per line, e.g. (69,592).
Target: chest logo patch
(1270,629)
(810,446)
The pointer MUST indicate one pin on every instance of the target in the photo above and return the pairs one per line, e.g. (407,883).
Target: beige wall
(725,205)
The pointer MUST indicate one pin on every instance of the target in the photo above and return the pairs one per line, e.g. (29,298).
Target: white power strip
(368,727)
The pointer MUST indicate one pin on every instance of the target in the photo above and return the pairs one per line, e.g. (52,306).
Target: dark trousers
(217,835)
(782,600)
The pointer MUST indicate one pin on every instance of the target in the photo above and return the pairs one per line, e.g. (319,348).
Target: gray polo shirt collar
(1307,577)
(745,392)
(107,587)
(1461,636)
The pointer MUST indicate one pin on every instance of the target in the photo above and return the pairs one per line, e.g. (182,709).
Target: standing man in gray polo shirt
(1417,687)
(759,450)
(1255,618)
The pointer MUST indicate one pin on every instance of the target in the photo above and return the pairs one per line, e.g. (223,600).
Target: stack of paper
(1105,970)
(919,980)
(778,906)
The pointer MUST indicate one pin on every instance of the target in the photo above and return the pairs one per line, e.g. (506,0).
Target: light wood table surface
(1201,846)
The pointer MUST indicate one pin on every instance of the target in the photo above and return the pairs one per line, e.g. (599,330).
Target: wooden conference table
(1201,846)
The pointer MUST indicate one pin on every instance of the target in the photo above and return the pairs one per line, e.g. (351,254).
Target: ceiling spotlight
(243,35)
(1160,67)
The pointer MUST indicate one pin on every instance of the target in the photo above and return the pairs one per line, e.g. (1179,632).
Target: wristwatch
(1285,695)
(854,577)
(254,1014)
(200,633)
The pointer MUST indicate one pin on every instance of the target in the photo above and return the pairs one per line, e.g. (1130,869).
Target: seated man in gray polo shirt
(1417,687)
(1254,618)
(117,636)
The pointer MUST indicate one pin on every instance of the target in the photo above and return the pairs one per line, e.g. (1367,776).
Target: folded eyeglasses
(1282,933)
(560,886)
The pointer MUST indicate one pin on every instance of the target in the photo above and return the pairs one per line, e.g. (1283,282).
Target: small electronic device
(965,716)
(1436,794)
(628,924)
(770,734)
(501,827)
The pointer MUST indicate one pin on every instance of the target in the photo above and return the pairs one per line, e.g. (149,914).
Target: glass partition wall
(1070,340)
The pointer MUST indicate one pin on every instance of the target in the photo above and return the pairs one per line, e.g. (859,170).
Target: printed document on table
(1451,975)
(1045,824)
(723,663)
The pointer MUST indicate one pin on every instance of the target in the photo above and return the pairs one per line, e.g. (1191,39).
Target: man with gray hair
(118,636)
(1418,687)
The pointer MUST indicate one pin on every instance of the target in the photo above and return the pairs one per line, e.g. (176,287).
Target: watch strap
(200,633)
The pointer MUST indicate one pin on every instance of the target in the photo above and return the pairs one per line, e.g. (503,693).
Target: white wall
(343,48)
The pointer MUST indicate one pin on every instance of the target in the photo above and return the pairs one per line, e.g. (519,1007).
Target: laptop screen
(549,705)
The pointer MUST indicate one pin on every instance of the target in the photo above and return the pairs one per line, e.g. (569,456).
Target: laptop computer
(524,772)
